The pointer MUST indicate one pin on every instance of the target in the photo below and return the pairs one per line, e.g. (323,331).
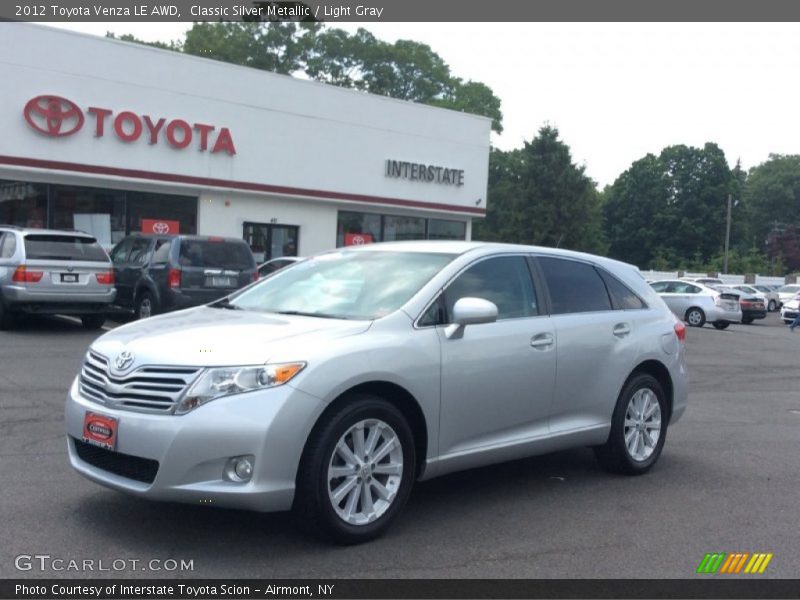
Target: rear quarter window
(220,255)
(40,246)
(574,286)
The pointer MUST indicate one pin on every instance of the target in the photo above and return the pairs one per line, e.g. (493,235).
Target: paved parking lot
(727,482)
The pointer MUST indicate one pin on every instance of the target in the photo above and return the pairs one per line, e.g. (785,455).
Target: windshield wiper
(225,303)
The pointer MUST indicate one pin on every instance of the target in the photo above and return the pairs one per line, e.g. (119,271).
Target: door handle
(621,330)
(542,341)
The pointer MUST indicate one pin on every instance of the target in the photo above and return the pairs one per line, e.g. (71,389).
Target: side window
(8,245)
(574,286)
(505,280)
(435,315)
(622,298)
(161,255)
(660,286)
(120,252)
(139,251)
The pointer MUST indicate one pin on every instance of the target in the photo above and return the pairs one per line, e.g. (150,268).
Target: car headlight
(225,381)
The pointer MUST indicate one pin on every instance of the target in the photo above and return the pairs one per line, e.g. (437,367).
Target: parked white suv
(333,385)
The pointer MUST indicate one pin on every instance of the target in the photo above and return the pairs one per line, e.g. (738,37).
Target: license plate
(69,278)
(100,430)
(223,282)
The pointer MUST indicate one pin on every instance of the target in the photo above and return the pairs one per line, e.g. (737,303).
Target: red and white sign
(100,430)
(161,226)
(55,116)
(357,239)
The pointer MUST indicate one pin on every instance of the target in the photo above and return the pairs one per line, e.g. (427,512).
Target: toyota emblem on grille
(53,115)
(124,360)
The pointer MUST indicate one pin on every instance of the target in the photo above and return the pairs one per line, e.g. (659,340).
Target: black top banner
(209,589)
(399,10)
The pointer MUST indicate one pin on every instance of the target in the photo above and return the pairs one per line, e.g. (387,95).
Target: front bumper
(191,450)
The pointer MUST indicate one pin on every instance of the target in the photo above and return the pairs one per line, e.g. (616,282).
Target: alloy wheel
(642,424)
(365,472)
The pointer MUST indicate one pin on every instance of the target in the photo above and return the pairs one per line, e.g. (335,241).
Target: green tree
(673,205)
(773,195)
(537,195)
(282,47)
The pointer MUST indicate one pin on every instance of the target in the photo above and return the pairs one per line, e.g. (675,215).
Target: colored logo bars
(734,563)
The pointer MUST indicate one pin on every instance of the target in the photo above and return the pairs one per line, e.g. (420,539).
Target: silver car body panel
(487,396)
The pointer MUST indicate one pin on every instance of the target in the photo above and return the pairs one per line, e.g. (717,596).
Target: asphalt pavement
(727,482)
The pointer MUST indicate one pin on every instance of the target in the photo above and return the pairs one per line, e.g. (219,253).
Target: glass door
(268,241)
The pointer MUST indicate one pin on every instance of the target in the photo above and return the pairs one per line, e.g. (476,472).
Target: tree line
(664,212)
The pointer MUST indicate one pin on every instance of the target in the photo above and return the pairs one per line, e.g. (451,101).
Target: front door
(497,378)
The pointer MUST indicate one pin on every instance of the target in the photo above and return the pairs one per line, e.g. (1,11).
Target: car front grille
(152,389)
(124,465)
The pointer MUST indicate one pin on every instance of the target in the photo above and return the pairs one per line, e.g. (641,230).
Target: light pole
(727,235)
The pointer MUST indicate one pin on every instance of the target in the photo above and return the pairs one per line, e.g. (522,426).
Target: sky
(615,91)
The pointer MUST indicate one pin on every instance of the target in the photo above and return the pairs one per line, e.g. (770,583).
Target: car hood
(206,336)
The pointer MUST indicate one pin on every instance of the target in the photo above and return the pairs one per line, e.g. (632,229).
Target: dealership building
(114,138)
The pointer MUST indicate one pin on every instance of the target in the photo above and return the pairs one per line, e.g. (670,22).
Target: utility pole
(727,235)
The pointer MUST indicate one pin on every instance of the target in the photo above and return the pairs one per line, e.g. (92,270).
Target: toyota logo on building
(161,227)
(53,115)
(123,360)
(358,240)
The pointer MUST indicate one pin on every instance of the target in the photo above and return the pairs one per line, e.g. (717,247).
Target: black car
(159,273)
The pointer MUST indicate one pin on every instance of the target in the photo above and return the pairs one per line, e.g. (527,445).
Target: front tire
(695,317)
(356,472)
(638,427)
(772,307)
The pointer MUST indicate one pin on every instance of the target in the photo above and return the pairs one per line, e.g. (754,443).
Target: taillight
(174,278)
(680,331)
(105,278)
(22,275)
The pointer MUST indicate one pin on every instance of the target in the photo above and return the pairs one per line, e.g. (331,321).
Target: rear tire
(145,306)
(356,472)
(638,427)
(93,321)
(695,317)
(747,321)
(721,324)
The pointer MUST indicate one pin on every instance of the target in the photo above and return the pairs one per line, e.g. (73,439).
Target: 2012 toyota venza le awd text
(334,384)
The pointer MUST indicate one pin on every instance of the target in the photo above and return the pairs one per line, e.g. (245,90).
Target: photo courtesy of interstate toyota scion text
(334,384)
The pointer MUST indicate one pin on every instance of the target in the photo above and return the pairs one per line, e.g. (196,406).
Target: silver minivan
(333,385)
(44,271)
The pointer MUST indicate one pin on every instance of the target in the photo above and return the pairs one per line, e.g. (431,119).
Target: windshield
(344,284)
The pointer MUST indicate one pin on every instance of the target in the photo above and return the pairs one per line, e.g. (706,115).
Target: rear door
(131,270)
(64,263)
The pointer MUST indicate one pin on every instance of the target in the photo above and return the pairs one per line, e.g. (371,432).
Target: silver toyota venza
(332,385)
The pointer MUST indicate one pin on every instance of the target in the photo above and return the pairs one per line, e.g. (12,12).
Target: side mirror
(470,311)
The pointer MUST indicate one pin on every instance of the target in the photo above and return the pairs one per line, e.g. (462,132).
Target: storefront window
(403,228)
(364,228)
(439,229)
(23,204)
(176,211)
(98,212)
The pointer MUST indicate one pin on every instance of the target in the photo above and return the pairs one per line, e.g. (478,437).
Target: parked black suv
(159,273)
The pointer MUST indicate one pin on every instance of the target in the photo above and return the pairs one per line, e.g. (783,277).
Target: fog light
(239,468)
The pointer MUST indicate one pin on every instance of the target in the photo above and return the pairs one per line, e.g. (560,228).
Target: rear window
(221,255)
(63,247)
